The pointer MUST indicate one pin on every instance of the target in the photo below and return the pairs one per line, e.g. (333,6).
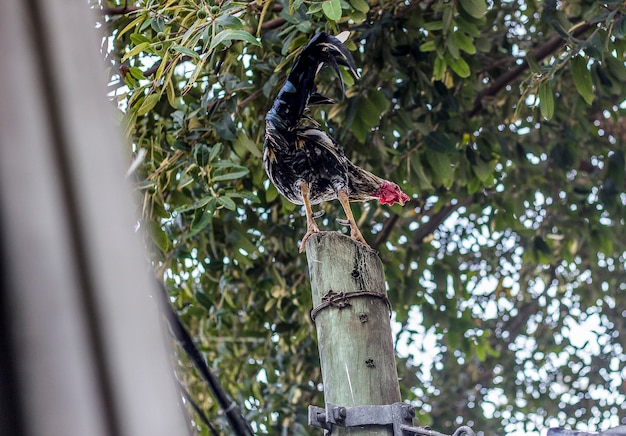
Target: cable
(233,414)
(198,410)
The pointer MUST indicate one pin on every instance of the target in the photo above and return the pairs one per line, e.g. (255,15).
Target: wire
(233,414)
(198,410)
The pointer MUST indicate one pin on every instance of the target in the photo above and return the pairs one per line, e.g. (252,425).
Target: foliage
(502,120)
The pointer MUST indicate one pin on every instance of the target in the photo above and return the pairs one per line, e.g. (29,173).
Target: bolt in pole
(351,314)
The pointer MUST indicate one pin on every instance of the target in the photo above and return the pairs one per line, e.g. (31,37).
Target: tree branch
(438,218)
(382,237)
(119,10)
(274,23)
(248,99)
(276,7)
(540,53)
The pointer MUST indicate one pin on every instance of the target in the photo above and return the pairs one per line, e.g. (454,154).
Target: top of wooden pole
(354,333)
(342,264)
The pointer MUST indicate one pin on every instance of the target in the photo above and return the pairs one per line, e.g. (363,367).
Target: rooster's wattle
(305,164)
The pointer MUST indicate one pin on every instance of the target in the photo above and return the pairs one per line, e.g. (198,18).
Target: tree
(502,120)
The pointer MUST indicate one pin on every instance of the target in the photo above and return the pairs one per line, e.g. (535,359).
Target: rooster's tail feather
(299,88)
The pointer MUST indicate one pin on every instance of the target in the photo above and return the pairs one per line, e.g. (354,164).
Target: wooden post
(82,343)
(354,333)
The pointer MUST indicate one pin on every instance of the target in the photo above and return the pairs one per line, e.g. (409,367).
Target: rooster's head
(390,193)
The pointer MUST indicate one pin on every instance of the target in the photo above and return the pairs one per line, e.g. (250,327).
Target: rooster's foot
(308,234)
(354,234)
(359,238)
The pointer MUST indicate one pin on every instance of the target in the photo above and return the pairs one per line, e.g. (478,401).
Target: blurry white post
(83,351)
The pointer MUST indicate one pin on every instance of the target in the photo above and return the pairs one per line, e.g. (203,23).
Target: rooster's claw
(318,214)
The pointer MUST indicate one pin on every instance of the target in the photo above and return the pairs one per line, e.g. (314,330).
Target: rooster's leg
(311,227)
(355,233)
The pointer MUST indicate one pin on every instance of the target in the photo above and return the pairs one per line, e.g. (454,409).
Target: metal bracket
(426,431)
(392,415)
(398,416)
(615,431)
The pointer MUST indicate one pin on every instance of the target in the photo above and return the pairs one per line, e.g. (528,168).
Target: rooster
(303,162)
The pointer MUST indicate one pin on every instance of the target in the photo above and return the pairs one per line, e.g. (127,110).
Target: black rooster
(305,164)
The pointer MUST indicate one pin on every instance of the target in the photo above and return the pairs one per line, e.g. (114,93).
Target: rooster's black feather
(302,161)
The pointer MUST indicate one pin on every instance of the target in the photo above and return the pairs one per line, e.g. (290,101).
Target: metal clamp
(427,431)
(392,415)
(398,416)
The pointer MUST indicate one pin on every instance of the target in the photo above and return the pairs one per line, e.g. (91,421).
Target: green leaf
(225,164)
(594,46)
(464,42)
(158,236)
(228,35)
(481,352)
(201,154)
(582,78)
(226,129)
(546,100)
(439,142)
(453,48)
(137,73)
(227,202)
(137,38)
(130,25)
(379,100)
(433,25)
(186,51)
(474,185)
(439,68)
(418,169)
(481,170)
(616,170)
(215,151)
(170,93)
(459,66)
(616,68)
(245,143)
(136,50)
(441,165)
(475,8)
(230,22)
(205,301)
(449,11)
(360,5)
(244,194)
(294,5)
(533,64)
(359,129)
(332,9)
(145,24)
(370,108)
(271,193)
(314,8)
(619,28)
(148,104)
(158,24)
(468,27)
(428,46)
(197,205)
(202,217)
(231,176)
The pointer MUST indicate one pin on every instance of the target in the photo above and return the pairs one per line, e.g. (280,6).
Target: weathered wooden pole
(351,314)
